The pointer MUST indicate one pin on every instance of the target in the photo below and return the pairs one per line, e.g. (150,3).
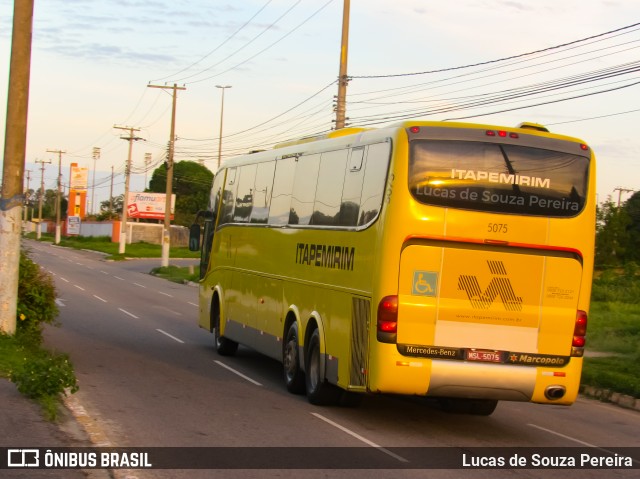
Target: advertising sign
(73,225)
(148,205)
(79,178)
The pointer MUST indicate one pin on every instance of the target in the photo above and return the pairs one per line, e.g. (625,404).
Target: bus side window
(216,192)
(304,189)
(228,197)
(262,192)
(377,164)
(326,208)
(244,197)
(282,185)
(354,176)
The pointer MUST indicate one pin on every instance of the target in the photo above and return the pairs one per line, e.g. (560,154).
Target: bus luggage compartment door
(488,298)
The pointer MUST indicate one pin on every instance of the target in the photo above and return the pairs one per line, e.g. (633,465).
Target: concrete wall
(136,232)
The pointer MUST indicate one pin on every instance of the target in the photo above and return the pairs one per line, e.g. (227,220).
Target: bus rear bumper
(458,379)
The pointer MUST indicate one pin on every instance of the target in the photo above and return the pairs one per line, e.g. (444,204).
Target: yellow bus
(448,260)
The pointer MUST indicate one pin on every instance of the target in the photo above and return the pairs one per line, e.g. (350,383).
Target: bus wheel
(293,375)
(477,407)
(224,346)
(319,392)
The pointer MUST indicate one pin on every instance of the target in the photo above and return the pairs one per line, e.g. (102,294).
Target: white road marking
(79,287)
(564,436)
(237,372)
(359,437)
(98,297)
(104,272)
(127,312)
(166,294)
(141,285)
(193,304)
(169,335)
(59,302)
(63,279)
(118,277)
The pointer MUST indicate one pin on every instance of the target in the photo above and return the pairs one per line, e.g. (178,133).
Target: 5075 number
(498,228)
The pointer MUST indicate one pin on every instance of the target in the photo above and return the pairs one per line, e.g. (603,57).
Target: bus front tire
(319,391)
(224,346)
(293,375)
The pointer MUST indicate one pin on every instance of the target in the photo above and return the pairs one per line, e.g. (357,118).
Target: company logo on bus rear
(504,178)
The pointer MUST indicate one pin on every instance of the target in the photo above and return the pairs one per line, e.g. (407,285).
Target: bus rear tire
(319,391)
(293,375)
(224,346)
(476,407)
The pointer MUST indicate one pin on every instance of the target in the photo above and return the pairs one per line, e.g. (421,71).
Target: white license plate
(484,356)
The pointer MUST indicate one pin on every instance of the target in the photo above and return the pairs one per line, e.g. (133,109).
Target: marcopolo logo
(500,285)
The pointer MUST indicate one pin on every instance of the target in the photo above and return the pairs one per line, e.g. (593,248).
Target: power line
(219,46)
(499,59)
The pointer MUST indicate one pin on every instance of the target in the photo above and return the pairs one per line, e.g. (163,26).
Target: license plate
(485,356)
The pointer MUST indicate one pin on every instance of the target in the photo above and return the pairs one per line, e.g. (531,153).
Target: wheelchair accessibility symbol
(425,283)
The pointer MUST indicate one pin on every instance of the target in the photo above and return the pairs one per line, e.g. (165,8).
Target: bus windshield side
(498,177)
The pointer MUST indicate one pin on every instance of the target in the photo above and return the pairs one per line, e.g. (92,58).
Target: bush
(45,375)
(37,373)
(36,301)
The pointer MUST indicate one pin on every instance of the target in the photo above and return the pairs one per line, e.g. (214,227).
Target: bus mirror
(194,237)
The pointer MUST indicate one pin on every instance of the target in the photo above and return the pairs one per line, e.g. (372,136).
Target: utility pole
(96,156)
(15,141)
(39,229)
(59,197)
(221,117)
(127,173)
(147,162)
(111,194)
(343,79)
(620,191)
(166,233)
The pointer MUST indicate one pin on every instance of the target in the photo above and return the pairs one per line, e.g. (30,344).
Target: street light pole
(223,88)
(96,156)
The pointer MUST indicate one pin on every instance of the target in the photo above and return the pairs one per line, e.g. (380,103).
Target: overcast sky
(92,62)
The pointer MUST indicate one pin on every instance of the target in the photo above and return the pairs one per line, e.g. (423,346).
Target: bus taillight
(579,333)
(388,319)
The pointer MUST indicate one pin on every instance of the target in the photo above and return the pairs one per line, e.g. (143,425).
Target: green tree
(632,208)
(191,185)
(612,235)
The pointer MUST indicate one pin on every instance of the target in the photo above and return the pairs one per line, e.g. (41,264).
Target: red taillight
(580,330)
(414,129)
(388,314)
(502,134)
(578,342)
(584,147)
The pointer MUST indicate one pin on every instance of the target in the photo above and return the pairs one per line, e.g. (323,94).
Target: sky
(573,65)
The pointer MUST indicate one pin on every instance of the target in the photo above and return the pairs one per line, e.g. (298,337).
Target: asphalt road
(149,377)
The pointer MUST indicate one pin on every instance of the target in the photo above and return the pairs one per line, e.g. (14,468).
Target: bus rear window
(497,177)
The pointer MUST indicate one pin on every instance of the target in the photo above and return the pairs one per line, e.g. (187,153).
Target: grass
(614,328)
(22,362)
(177,274)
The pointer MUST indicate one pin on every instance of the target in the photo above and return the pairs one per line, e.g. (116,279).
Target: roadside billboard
(148,205)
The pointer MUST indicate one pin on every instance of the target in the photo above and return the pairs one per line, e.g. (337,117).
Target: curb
(606,395)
